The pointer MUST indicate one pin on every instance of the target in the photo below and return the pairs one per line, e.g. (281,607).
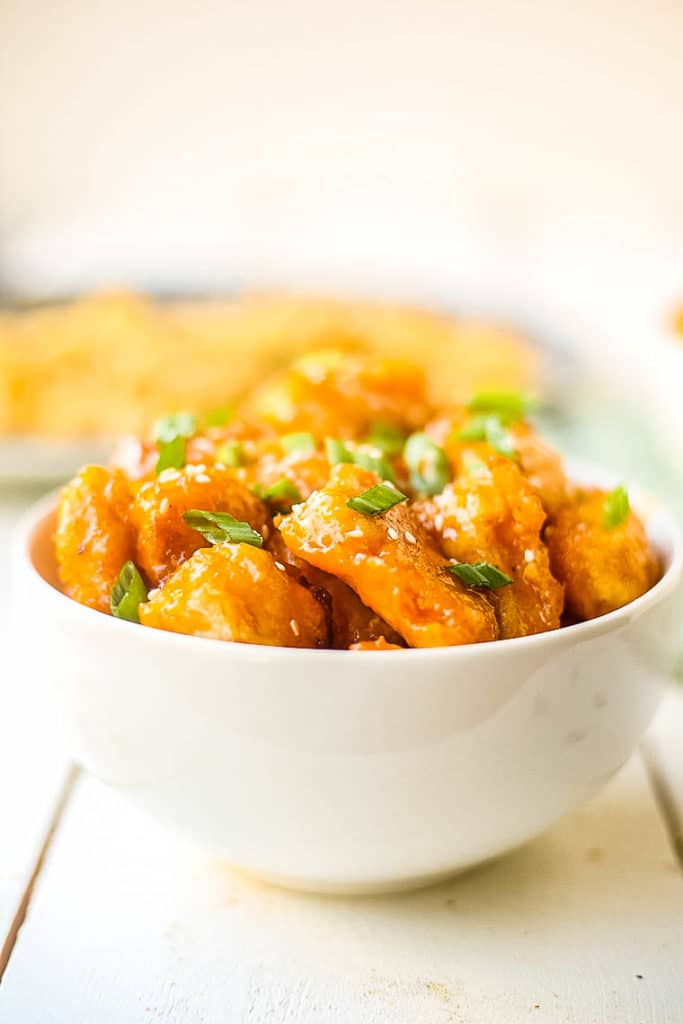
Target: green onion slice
(303,442)
(128,593)
(219,417)
(616,508)
(491,429)
(282,491)
(427,463)
(177,424)
(508,406)
(218,527)
(376,499)
(171,455)
(479,574)
(472,465)
(386,436)
(231,454)
(337,451)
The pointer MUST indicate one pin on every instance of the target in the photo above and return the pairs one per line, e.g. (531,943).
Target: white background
(508,156)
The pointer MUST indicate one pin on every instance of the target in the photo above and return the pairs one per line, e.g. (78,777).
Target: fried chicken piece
(306,471)
(94,537)
(540,464)
(334,395)
(350,620)
(601,568)
(236,592)
(390,562)
(164,539)
(496,516)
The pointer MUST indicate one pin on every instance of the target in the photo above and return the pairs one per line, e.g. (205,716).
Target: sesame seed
(168,474)
(200,467)
(202,478)
(280,566)
(355,533)
(163,506)
(153,593)
(410,537)
(392,533)
(359,557)
(294,626)
(529,555)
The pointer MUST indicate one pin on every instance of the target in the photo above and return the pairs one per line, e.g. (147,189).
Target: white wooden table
(106,919)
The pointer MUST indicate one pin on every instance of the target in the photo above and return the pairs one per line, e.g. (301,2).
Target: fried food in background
(111,363)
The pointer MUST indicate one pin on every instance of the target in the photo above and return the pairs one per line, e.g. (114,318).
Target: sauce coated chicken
(337,508)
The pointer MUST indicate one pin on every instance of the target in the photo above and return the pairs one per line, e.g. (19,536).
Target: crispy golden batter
(389,561)
(496,516)
(164,540)
(332,395)
(93,538)
(236,592)
(602,569)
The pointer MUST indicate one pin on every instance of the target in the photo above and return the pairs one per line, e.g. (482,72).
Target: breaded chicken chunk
(306,471)
(494,515)
(602,567)
(94,537)
(236,592)
(540,464)
(390,562)
(332,395)
(350,620)
(164,539)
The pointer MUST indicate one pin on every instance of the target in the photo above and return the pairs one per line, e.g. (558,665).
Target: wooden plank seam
(71,778)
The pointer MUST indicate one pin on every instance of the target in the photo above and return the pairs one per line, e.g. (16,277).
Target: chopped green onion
(219,417)
(337,451)
(177,424)
(616,508)
(386,436)
(282,491)
(302,441)
(490,429)
(375,463)
(479,574)
(376,499)
(171,455)
(427,463)
(218,527)
(508,406)
(472,465)
(128,593)
(231,454)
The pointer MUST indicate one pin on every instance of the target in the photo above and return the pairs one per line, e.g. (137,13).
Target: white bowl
(345,771)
